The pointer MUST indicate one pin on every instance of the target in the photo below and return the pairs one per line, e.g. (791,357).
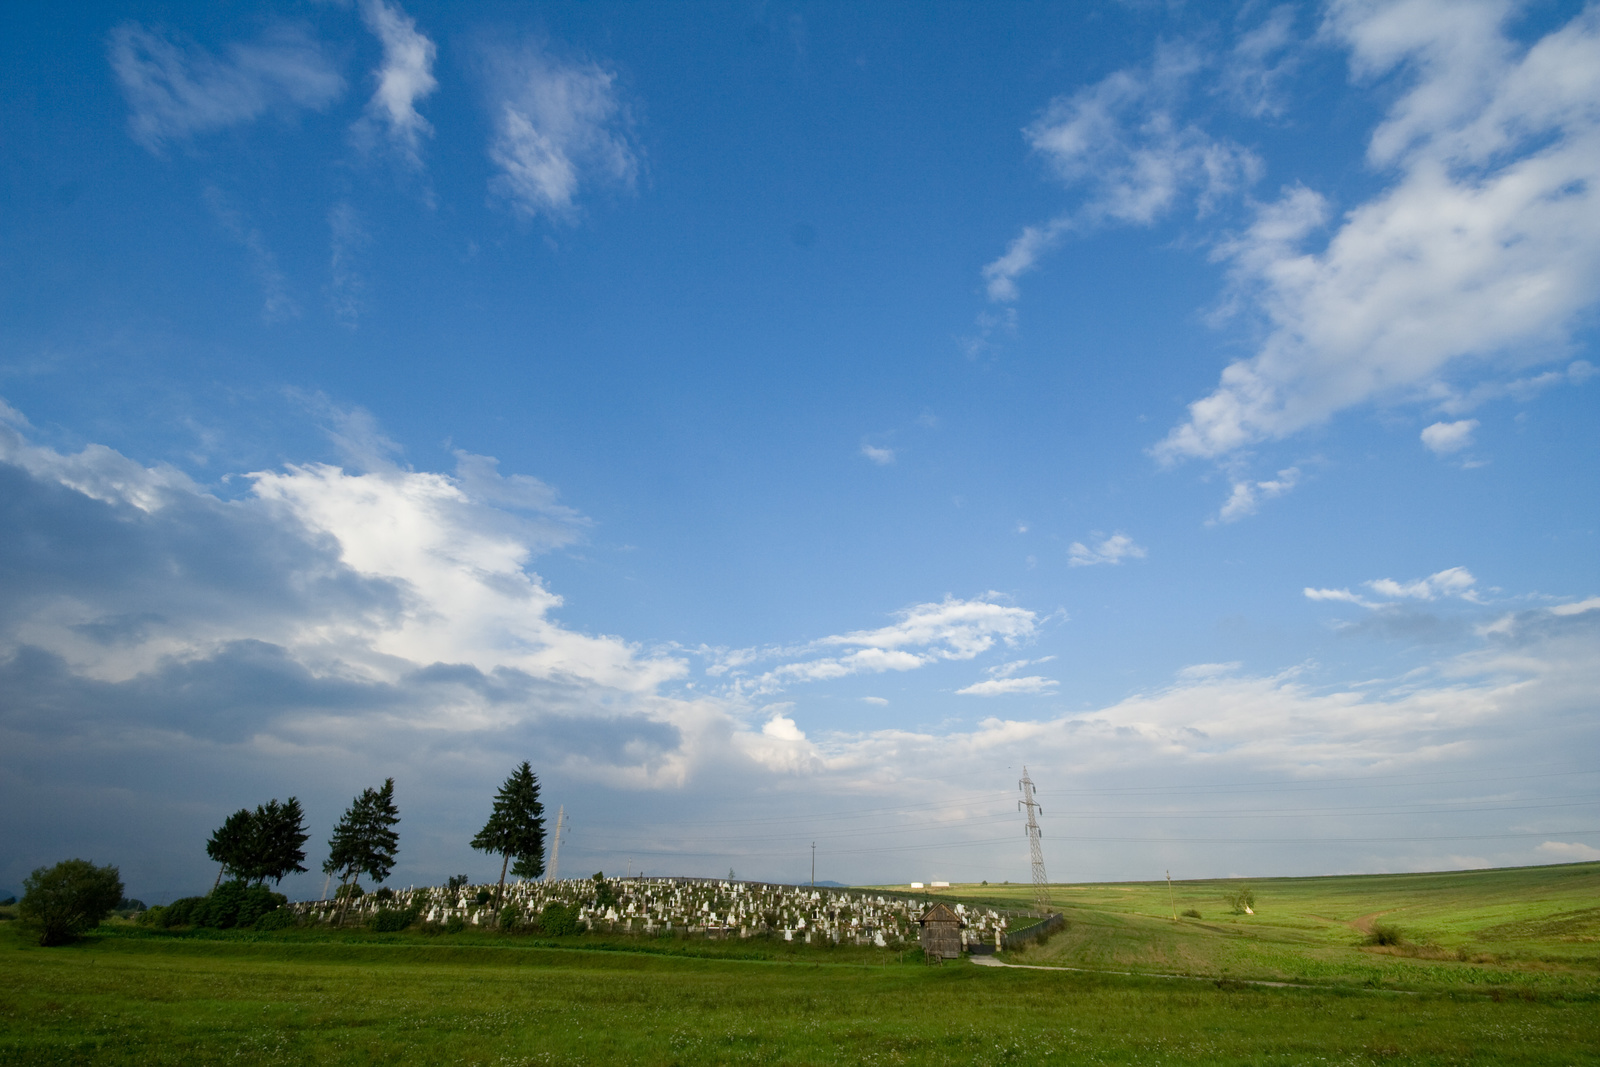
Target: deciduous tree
(65,900)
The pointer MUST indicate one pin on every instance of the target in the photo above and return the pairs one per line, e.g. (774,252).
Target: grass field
(1528,927)
(133,996)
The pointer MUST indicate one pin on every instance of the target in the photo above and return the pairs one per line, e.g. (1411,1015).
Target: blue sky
(782,422)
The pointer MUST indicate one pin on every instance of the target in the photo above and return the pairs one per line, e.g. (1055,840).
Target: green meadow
(1492,967)
(1515,928)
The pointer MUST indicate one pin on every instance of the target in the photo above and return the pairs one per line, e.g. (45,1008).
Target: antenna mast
(1041,884)
(555,849)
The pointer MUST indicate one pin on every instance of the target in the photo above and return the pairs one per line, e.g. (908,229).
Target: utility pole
(1172,898)
(813,865)
(1041,884)
(555,849)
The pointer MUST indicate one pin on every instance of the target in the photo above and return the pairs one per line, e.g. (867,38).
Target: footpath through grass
(1528,991)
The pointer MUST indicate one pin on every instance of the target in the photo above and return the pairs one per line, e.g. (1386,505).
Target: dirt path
(1365,923)
(1362,924)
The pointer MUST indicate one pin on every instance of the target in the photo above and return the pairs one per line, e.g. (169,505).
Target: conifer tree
(515,830)
(229,845)
(253,846)
(365,842)
(280,836)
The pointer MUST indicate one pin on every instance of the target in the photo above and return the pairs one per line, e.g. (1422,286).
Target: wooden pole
(1172,898)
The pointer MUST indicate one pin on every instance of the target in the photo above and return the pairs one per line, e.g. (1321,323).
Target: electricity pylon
(1041,884)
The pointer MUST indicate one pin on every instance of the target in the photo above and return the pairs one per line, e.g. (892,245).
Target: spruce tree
(515,830)
(364,841)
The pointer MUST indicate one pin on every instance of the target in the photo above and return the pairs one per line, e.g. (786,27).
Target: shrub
(185,911)
(276,919)
(69,898)
(1384,934)
(6,903)
(557,920)
(1242,900)
(510,918)
(483,896)
(383,895)
(455,924)
(237,904)
(1192,913)
(349,892)
(392,920)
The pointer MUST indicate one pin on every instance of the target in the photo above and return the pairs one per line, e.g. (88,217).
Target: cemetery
(681,907)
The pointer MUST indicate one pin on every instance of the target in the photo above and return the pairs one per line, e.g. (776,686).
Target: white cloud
(1444,438)
(1570,851)
(1246,496)
(1208,670)
(558,126)
(994,687)
(1481,251)
(924,634)
(1455,582)
(1123,142)
(879,702)
(1260,62)
(1344,595)
(404,77)
(175,91)
(333,625)
(881,456)
(1112,550)
(347,239)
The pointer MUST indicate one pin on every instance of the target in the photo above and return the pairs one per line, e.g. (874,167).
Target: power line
(969,845)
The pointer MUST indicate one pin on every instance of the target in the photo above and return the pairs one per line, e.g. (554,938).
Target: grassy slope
(129,996)
(406,999)
(1528,926)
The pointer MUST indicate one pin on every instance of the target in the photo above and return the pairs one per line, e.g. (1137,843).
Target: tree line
(267,843)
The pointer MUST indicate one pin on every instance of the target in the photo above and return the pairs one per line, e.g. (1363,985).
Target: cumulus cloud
(1570,851)
(404,77)
(169,654)
(1445,438)
(1481,250)
(559,126)
(176,90)
(881,456)
(1124,144)
(1246,496)
(1112,550)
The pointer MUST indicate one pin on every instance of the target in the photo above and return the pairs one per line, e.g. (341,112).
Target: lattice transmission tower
(555,850)
(1041,884)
